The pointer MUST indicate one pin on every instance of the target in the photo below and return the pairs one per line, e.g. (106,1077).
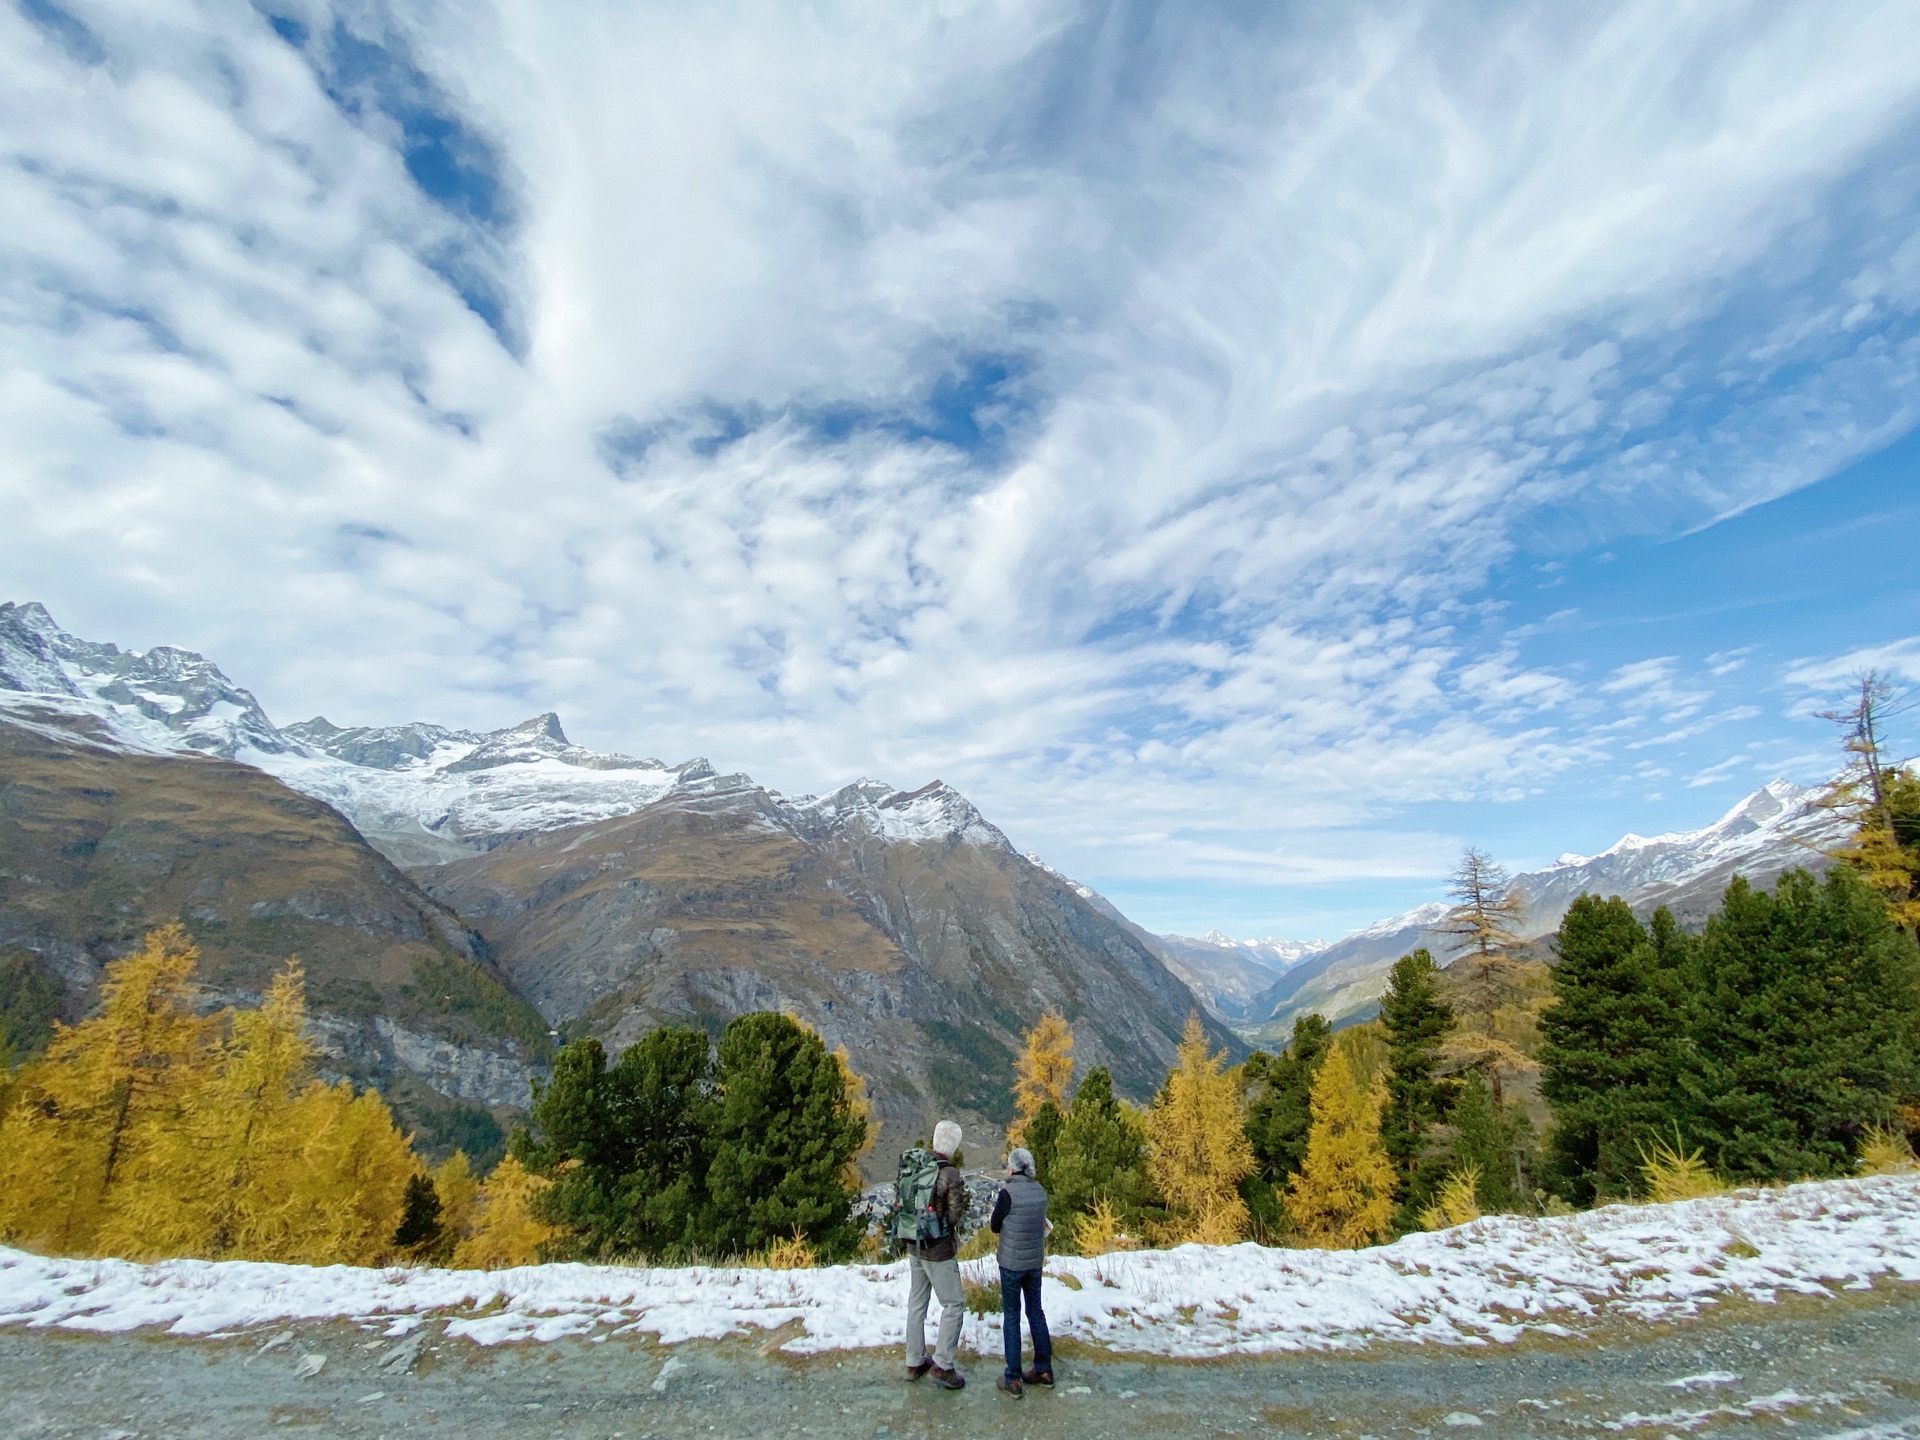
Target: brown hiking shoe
(1009,1387)
(914,1372)
(949,1379)
(1038,1377)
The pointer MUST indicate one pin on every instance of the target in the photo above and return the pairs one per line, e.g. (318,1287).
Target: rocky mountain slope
(901,925)
(616,893)
(1773,830)
(98,845)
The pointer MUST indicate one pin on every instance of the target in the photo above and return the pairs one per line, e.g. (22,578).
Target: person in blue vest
(1020,1220)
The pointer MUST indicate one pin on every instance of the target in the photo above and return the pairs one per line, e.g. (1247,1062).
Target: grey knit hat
(1020,1161)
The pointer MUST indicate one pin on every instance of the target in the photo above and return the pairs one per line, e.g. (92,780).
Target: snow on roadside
(1492,1281)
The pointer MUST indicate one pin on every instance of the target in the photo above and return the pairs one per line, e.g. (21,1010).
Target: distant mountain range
(609,893)
(1773,830)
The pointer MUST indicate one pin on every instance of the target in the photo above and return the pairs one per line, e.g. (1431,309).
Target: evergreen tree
(625,1145)
(1806,1018)
(1280,1114)
(1491,1141)
(1042,1137)
(783,1129)
(1613,1038)
(1416,1021)
(1100,1155)
(1041,1072)
(30,996)
(419,1229)
(1343,1196)
(1197,1147)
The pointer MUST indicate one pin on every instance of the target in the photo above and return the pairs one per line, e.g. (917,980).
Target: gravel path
(1811,1367)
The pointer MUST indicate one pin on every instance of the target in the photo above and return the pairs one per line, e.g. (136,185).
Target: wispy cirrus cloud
(1116,411)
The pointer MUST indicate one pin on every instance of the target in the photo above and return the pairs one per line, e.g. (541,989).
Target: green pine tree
(419,1228)
(1612,1040)
(1042,1137)
(1281,1114)
(1492,1141)
(1101,1154)
(624,1146)
(1416,1021)
(782,1135)
(1806,1018)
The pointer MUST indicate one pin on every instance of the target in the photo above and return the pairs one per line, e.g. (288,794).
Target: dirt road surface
(1849,1366)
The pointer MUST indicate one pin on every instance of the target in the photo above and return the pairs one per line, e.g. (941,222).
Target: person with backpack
(1020,1220)
(930,1199)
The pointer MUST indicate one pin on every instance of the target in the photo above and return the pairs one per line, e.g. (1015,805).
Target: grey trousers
(927,1278)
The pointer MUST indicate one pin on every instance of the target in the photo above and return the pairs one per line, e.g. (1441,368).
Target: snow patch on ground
(1490,1282)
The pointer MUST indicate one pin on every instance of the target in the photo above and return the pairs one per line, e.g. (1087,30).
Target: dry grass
(1101,1232)
(979,1245)
(983,1296)
(793,1253)
(1886,1152)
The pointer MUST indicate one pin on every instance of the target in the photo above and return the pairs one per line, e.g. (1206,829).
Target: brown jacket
(949,1200)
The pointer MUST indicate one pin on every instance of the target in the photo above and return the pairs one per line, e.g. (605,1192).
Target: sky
(1251,451)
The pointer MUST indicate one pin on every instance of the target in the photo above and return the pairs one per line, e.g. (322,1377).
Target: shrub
(1457,1203)
(1673,1175)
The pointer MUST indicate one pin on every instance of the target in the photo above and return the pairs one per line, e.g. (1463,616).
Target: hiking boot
(1009,1387)
(1038,1377)
(914,1372)
(949,1379)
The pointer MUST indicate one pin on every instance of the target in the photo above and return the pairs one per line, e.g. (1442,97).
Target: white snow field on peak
(1493,1281)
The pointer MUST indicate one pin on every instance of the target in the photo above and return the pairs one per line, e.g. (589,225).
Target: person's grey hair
(946,1138)
(1020,1161)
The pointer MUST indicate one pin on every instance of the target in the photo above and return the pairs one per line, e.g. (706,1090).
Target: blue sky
(1251,452)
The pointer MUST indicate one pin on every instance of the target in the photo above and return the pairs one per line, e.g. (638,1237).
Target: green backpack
(914,1218)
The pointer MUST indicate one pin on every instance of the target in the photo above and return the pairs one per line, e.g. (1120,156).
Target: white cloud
(1303,322)
(1899,659)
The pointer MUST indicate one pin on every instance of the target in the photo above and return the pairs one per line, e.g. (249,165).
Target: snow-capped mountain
(1776,828)
(1228,974)
(1779,826)
(422,794)
(607,893)
(162,701)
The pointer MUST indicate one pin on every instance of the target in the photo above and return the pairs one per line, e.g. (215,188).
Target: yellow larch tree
(346,1187)
(1197,1146)
(1042,1071)
(506,1232)
(86,1115)
(1343,1196)
(217,1183)
(458,1191)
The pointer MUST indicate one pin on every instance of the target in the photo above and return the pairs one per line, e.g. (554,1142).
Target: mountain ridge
(617,893)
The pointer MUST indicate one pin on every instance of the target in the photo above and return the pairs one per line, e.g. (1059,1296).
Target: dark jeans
(1014,1284)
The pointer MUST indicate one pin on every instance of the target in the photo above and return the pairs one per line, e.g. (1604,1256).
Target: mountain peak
(545,725)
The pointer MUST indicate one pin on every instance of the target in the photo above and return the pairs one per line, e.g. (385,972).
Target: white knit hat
(946,1138)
